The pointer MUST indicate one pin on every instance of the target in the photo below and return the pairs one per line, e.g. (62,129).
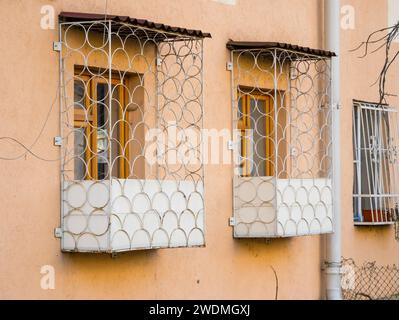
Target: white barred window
(375,140)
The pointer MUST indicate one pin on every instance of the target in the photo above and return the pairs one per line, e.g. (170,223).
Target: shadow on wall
(88,260)
(262,243)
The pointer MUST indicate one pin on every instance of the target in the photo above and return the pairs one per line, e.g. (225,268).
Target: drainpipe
(333,241)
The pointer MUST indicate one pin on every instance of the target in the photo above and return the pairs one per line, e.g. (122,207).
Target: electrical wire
(29,149)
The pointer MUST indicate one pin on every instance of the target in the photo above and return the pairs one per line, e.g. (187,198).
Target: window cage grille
(375,141)
(282,116)
(131,117)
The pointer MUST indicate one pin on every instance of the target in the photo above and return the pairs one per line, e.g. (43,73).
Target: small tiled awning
(86,17)
(251,45)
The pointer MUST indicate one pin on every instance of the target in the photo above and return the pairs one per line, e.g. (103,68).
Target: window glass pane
(108,147)
(117,143)
(241,127)
(255,120)
(80,124)
(79,92)
(102,134)
(79,154)
(258,143)
(94,161)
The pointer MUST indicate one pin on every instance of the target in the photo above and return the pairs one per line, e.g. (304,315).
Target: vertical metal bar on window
(385,169)
(392,158)
(388,167)
(375,163)
(235,153)
(380,164)
(359,164)
(201,148)
(63,147)
(109,135)
(157,94)
(275,118)
(366,132)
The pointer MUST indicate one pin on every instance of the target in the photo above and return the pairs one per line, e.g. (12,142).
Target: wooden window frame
(91,93)
(246,125)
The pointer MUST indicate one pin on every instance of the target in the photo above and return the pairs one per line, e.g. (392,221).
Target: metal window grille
(283,163)
(124,185)
(375,138)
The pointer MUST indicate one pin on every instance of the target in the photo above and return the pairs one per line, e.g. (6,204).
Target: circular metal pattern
(247,191)
(121,82)
(281,109)
(98,195)
(75,195)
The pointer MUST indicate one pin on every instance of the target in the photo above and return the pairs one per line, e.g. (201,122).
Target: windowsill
(371,224)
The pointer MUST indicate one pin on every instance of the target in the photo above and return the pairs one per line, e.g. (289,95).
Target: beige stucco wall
(357,76)
(226,268)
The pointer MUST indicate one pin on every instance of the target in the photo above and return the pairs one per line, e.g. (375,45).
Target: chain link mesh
(369,281)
